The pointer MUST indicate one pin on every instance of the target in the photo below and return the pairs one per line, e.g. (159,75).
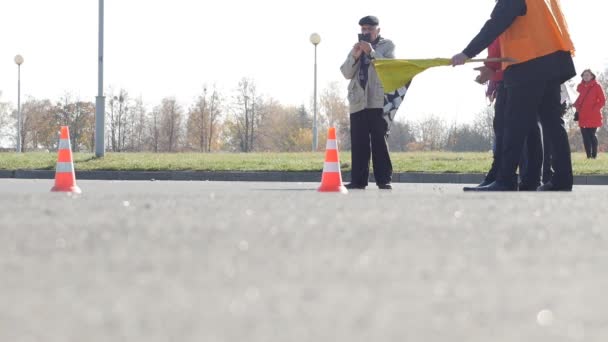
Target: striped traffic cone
(65,178)
(332,177)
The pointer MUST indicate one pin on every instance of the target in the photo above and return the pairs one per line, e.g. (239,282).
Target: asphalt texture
(237,261)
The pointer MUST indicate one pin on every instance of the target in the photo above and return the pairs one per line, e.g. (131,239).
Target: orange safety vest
(541,32)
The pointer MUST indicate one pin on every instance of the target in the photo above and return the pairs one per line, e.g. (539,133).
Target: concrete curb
(300,176)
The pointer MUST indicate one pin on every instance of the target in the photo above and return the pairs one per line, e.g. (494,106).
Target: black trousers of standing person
(547,159)
(590,141)
(368,134)
(499,126)
(526,102)
(529,171)
(548,151)
(531,161)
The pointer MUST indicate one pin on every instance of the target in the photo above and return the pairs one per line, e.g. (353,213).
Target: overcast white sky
(158,48)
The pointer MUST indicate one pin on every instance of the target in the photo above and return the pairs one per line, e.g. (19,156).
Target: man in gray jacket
(366,101)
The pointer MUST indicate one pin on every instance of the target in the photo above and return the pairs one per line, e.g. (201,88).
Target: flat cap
(369,20)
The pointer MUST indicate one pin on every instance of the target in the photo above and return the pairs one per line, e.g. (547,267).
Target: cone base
(341,189)
(73,189)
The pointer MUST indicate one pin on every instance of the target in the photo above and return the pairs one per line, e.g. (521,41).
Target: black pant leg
(360,148)
(586,141)
(523,161)
(550,115)
(499,127)
(523,102)
(383,168)
(534,152)
(594,143)
(547,152)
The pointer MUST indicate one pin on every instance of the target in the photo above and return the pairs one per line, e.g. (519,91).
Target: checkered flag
(392,101)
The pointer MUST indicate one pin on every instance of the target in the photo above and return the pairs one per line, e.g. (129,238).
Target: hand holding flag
(397,74)
(459,59)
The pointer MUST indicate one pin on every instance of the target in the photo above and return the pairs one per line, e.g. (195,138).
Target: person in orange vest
(535,35)
(589,106)
(530,173)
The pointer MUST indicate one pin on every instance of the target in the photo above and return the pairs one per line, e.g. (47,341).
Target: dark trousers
(531,161)
(499,126)
(526,103)
(590,141)
(530,171)
(368,135)
(548,151)
(547,162)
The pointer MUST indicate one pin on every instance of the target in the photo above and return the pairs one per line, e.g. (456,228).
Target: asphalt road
(203,261)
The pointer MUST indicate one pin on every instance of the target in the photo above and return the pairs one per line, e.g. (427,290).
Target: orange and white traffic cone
(65,178)
(332,177)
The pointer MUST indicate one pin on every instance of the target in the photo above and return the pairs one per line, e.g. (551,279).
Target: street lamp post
(19,61)
(315,39)
(100,100)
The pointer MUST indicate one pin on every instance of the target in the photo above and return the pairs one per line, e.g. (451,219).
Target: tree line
(239,121)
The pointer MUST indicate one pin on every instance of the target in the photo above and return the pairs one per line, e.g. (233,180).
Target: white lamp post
(100,100)
(18,61)
(315,39)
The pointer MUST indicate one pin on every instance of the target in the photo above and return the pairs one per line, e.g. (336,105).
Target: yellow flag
(396,73)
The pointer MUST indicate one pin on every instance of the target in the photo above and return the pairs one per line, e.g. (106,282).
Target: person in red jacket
(491,74)
(589,106)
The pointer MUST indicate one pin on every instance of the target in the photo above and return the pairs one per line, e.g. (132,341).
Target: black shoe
(385,186)
(353,186)
(528,187)
(551,187)
(495,187)
(472,188)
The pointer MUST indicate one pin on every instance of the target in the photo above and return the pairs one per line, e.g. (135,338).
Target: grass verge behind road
(432,162)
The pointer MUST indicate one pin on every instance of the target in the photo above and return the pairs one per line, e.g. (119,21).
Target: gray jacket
(373,95)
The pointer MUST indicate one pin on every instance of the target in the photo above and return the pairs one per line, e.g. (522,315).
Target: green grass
(434,162)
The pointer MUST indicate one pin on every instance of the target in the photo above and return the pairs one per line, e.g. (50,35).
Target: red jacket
(494,52)
(589,104)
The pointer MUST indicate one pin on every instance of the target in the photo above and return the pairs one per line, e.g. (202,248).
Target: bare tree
(467,138)
(37,123)
(155,129)
(215,112)
(484,124)
(304,118)
(6,120)
(197,126)
(111,122)
(80,117)
(118,119)
(280,128)
(335,110)
(401,136)
(245,114)
(203,120)
(140,122)
(171,115)
(125,123)
(431,132)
